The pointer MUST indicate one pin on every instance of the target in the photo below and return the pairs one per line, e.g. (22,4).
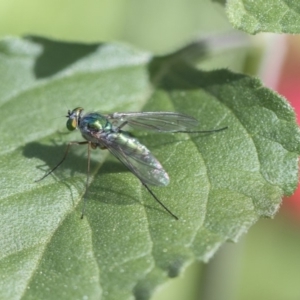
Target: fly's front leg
(63,159)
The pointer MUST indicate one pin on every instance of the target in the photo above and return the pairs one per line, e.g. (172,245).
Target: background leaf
(127,245)
(278,16)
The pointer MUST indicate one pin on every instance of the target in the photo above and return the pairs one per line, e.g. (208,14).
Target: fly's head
(74,118)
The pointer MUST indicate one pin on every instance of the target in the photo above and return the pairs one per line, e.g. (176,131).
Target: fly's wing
(154,121)
(137,158)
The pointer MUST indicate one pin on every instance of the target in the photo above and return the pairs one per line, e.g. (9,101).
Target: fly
(105,132)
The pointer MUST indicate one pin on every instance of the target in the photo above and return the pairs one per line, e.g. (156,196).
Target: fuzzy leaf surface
(278,16)
(127,245)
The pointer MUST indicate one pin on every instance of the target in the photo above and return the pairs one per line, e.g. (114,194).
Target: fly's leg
(88,168)
(94,146)
(154,196)
(133,170)
(63,159)
(148,189)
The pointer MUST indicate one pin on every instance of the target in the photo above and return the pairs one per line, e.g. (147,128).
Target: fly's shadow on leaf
(52,154)
(56,56)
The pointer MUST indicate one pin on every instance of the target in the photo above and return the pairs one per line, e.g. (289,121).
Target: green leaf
(278,16)
(126,245)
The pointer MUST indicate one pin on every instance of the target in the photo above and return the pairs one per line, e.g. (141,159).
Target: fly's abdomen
(137,158)
(129,144)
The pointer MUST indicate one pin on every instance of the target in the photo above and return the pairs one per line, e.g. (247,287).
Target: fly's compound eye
(74,117)
(72,124)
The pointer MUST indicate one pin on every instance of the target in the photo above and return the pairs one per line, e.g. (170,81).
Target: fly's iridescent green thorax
(94,127)
(94,122)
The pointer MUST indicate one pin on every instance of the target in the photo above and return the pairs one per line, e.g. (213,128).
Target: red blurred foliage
(289,87)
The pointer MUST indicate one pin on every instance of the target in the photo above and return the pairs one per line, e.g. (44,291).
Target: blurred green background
(265,264)
(157,25)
